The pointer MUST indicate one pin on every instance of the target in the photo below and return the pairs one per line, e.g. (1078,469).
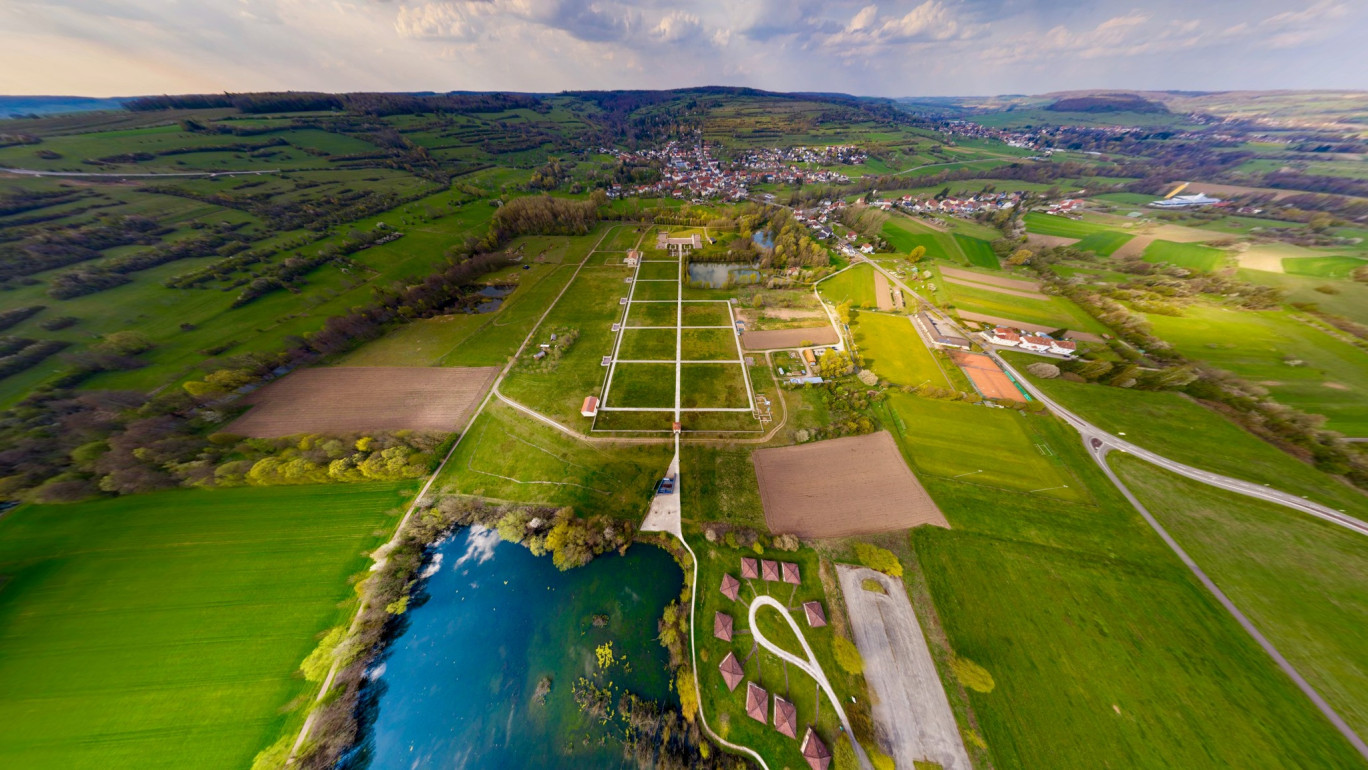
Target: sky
(912,48)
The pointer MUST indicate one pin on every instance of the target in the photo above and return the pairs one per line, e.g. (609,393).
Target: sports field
(988,378)
(855,286)
(1307,590)
(1301,366)
(164,630)
(1193,256)
(894,351)
(997,447)
(841,487)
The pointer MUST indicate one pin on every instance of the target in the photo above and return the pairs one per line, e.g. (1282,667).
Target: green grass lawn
(1103,244)
(1350,298)
(1180,429)
(1301,366)
(1323,267)
(1063,227)
(855,285)
(1193,256)
(653,314)
(705,314)
(892,348)
(658,271)
(1303,582)
(721,484)
(642,385)
(507,456)
(164,630)
(653,290)
(904,234)
(647,345)
(1049,311)
(998,447)
(979,253)
(709,345)
(712,385)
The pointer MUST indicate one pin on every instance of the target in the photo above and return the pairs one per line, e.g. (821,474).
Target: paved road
(810,666)
(909,701)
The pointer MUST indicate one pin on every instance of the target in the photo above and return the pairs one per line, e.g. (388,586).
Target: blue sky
(914,48)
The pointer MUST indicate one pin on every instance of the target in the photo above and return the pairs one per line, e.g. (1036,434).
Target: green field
(893,350)
(1323,267)
(1180,429)
(647,345)
(711,386)
(1063,227)
(1349,298)
(1307,589)
(978,252)
(164,630)
(708,345)
(642,386)
(998,447)
(1301,366)
(1193,256)
(1103,244)
(904,234)
(1050,311)
(507,456)
(855,285)
(722,484)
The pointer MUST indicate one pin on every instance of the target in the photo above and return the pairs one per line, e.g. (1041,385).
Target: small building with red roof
(750,568)
(732,673)
(731,587)
(769,570)
(816,617)
(757,702)
(816,753)
(785,717)
(790,571)
(722,626)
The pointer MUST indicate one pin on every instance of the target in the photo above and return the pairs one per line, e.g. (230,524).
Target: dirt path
(882,296)
(910,709)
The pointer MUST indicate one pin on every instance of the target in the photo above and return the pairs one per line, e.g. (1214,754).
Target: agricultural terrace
(841,487)
(1182,430)
(726,709)
(1307,590)
(1300,365)
(665,364)
(348,399)
(891,347)
(165,630)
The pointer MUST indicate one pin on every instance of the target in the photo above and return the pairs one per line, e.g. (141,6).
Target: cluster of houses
(777,164)
(1030,341)
(785,714)
(687,171)
(1064,207)
(966,206)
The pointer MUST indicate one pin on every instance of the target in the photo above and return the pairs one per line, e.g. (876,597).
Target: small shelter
(816,753)
(816,617)
(785,717)
(757,702)
(790,570)
(750,568)
(769,570)
(731,587)
(732,673)
(590,407)
(722,626)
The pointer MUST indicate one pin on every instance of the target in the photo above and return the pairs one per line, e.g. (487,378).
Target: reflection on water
(719,275)
(457,686)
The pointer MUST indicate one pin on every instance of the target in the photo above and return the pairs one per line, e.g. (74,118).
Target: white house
(1036,344)
(1004,336)
(1063,347)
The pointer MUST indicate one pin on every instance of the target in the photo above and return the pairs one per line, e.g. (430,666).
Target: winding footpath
(1099,442)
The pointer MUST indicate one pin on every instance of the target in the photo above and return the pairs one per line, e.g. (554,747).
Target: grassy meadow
(165,630)
(1193,256)
(894,351)
(855,285)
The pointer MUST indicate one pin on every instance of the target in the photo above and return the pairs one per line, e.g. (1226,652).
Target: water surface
(719,275)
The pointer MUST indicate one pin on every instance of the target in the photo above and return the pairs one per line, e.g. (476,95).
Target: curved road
(810,666)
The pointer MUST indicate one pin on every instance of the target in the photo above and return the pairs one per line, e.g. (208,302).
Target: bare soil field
(846,486)
(1268,260)
(789,338)
(991,381)
(998,289)
(1049,241)
(350,399)
(1134,247)
(882,296)
(991,280)
(1000,321)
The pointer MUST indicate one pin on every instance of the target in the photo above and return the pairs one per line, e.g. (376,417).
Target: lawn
(654,314)
(721,484)
(712,386)
(1306,587)
(658,271)
(1323,267)
(1180,429)
(647,345)
(1049,311)
(646,291)
(904,234)
(164,630)
(893,350)
(1063,227)
(507,456)
(1193,256)
(704,314)
(855,285)
(498,339)
(709,345)
(1103,244)
(1301,366)
(979,253)
(998,447)
(642,386)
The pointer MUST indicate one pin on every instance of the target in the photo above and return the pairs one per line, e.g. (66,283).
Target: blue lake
(719,275)
(455,688)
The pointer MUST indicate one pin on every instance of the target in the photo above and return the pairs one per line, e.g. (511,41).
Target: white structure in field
(1185,201)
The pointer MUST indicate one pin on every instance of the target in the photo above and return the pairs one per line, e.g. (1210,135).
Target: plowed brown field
(351,399)
(775,339)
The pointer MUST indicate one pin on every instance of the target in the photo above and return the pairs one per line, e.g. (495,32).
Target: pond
(495,295)
(457,685)
(763,239)
(719,275)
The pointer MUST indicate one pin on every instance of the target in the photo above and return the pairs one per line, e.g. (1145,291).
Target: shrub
(868,377)
(847,655)
(1043,370)
(972,675)
(870,584)
(881,559)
